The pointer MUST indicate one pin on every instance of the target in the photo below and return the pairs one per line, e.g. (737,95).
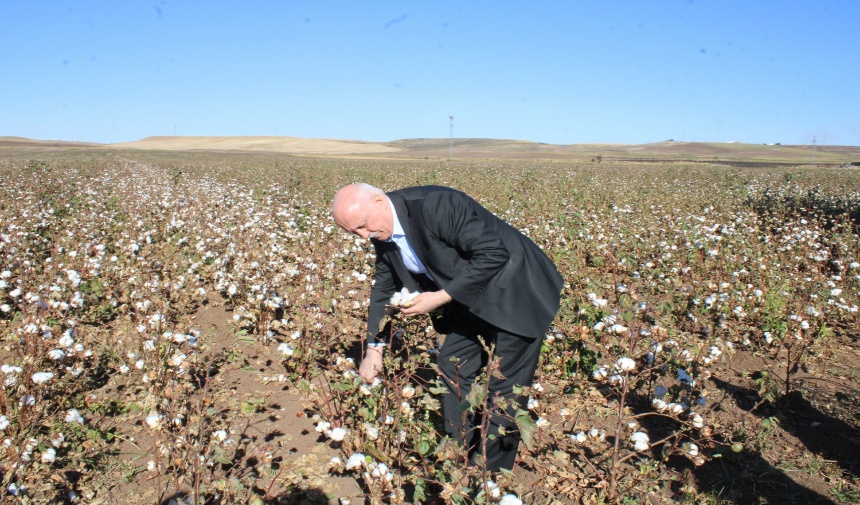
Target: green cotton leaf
(418,496)
(423,447)
(222,459)
(247,408)
(477,395)
(463,407)
(527,427)
(438,390)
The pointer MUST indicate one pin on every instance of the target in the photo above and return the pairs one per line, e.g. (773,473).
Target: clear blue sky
(559,72)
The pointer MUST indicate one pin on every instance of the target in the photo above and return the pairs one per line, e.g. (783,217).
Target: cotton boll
(57,354)
(41,377)
(510,499)
(154,420)
(49,456)
(640,441)
(73,416)
(355,461)
(337,434)
(625,364)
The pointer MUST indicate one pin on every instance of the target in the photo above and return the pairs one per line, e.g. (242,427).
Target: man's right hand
(371,365)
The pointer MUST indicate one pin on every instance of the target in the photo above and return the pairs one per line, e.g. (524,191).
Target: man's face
(366,219)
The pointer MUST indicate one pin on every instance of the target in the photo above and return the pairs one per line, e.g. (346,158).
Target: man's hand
(426,303)
(371,365)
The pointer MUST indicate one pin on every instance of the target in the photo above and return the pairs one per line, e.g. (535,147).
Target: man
(489,279)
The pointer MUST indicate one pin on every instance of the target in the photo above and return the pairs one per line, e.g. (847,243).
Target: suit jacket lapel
(411,235)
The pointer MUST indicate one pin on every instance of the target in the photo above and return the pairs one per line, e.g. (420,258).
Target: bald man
(489,280)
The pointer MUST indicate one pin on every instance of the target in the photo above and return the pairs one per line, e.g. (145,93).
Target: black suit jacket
(485,264)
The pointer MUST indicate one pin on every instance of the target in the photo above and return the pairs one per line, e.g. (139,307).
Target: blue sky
(559,72)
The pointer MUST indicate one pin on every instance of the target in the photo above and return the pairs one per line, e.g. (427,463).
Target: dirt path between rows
(282,440)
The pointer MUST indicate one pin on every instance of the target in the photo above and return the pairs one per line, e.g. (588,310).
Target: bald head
(363,210)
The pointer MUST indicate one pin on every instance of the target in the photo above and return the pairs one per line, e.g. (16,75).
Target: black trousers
(519,359)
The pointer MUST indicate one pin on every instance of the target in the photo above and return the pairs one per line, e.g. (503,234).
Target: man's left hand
(426,303)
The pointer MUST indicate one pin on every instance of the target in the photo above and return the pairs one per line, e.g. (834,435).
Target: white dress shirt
(410,259)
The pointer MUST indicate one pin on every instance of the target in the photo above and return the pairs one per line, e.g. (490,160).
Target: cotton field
(709,320)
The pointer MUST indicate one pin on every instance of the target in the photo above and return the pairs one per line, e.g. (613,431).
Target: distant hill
(476,148)
(24,142)
(268,144)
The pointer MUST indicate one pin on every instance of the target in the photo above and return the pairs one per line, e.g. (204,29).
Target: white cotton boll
(372,431)
(286,349)
(659,405)
(640,441)
(600,302)
(355,461)
(73,416)
(625,364)
(41,377)
(578,438)
(407,392)
(66,340)
(541,422)
(15,293)
(296,335)
(337,434)
(599,326)
(676,408)
(380,471)
(57,354)
(510,499)
(323,426)
(804,325)
(533,403)
(49,456)
(154,420)
(691,449)
(768,337)
(697,421)
(619,329)
(5,308)
(4,423)
(124,369)
(492,489)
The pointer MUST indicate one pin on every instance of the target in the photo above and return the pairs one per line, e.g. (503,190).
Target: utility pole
(451,145)
(813,151)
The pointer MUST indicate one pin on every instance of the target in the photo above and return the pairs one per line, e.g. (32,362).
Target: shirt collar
(396,230)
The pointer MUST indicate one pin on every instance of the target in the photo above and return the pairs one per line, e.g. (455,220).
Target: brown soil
(282,427)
